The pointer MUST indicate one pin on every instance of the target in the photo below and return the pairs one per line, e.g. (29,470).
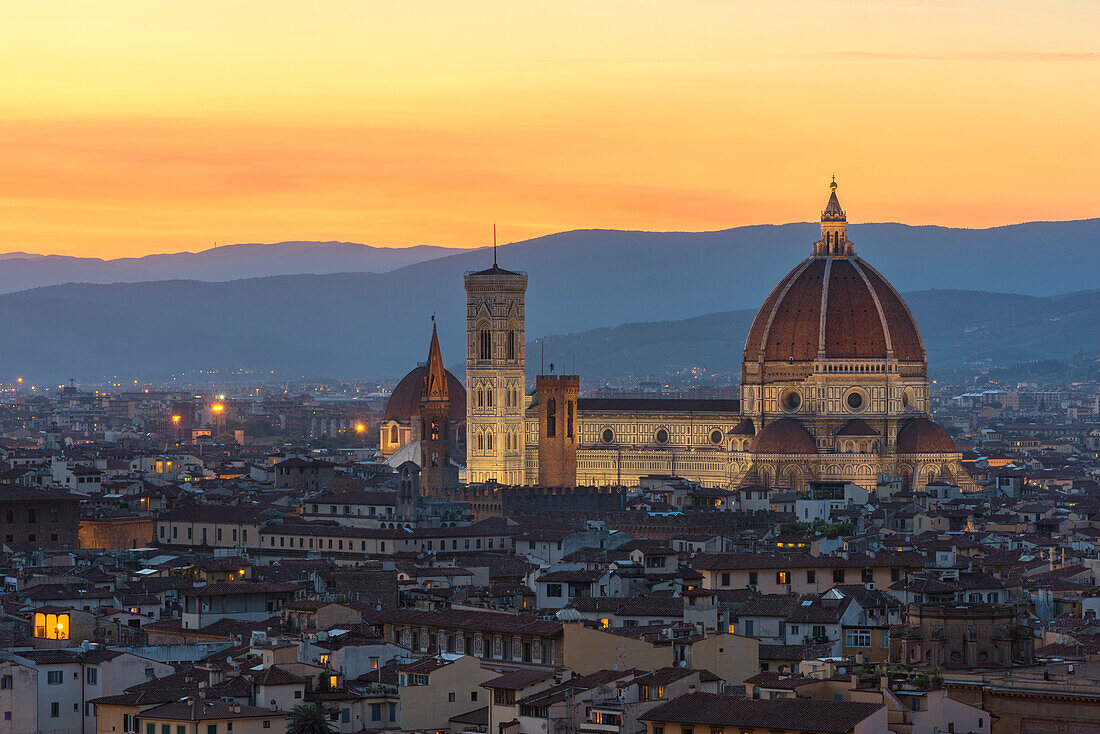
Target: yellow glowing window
(324,659)
(332,680)
(374,664)
(733,630)
(605,623)
(782,577)
(51,626)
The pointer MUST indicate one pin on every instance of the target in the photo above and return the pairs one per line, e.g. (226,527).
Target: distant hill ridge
(360,325)
(958,327)
(22,270)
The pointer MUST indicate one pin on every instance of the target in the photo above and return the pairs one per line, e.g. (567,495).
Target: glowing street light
(176,419)
(359,428)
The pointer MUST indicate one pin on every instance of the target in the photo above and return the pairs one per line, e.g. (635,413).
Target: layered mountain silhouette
(960,329)
(21,270)
(373,325)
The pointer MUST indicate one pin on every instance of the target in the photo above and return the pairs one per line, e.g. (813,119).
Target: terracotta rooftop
(843,295)
(784,436)
(713,709)
(203,710)
(922,436)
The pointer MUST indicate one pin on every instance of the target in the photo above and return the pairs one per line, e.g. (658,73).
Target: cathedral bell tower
(495,375)
(436,444)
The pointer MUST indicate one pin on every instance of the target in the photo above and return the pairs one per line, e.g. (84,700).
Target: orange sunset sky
(133,127)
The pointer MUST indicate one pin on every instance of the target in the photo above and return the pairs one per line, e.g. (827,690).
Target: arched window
(511,344)
(480,442)
(489,397)
(489,441)
(485,350)
(551,418)
(393,433)
(480,398)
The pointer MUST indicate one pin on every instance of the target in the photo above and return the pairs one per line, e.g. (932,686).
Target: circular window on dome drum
(856,400)
(791,401)
(716,437)
(607,436)
(661,436)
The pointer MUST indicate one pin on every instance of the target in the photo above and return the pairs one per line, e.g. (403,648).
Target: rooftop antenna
(494,244)
(542,354)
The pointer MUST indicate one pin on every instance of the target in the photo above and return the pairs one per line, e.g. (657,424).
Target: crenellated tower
(557,404)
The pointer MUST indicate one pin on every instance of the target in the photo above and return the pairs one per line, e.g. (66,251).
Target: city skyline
(137,129)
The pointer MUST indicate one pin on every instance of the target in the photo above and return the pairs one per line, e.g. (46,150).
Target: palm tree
(310,718)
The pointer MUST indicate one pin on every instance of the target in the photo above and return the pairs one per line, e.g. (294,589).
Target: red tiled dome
(404,402)
(836,306)
(923,436)
(784,436)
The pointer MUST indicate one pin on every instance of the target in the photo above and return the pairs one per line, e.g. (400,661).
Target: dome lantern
(834,240)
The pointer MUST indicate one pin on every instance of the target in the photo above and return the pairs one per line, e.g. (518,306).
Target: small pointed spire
(435,374)
(833,212)
(834,228)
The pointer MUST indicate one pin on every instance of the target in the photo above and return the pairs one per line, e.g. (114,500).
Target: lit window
(51,626)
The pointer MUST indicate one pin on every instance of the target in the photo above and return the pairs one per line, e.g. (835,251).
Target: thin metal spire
(494,244)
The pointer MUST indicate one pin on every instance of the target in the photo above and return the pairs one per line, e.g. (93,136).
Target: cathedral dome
(404,402)
(784,436)
(923,436)
(833,306)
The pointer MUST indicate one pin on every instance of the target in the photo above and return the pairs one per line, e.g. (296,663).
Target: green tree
(310,718)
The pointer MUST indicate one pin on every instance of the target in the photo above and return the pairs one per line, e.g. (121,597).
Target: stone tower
(436,444)
(495,375)
(557,395)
